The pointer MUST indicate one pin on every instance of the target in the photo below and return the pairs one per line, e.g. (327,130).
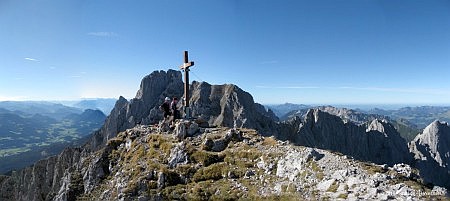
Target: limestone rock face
(144,108)
(178,155)
(40,180)
(431,150)
(220,105)
(228,105)
(351,115)
(378,141)
(114,122)
(344,113)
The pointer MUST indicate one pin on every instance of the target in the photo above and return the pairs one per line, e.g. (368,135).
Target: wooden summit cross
(185,67)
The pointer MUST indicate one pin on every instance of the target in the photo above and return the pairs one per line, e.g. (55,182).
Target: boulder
(192,129)
(178,155)
(180,131)
(220,144)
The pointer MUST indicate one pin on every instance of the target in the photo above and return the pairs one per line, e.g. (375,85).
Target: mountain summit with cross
(231,148)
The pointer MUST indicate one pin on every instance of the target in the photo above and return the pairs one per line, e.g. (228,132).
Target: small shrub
(372,169)
(343,196)
(333,187)
(174,192)
(314,166)
(320,176)
(251,154)
(114,143)
(213,172)
(269,141)
(186,171)
(152,184)
(199,191)
(206,158)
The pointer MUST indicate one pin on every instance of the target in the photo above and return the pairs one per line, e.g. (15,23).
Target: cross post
(185,67)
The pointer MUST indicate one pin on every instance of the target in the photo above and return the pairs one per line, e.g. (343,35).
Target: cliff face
(42,180)
(228,105)
(220,105)
(344,113)
(375,141)
(431,150)
(144,108)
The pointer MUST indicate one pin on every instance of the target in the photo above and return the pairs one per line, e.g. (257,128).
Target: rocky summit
(375,141)
(218,105)
(432,153)
(229,164)
(236,149)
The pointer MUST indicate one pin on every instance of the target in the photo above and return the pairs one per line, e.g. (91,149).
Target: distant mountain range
(421,116)
(49,109)
(103,104)
(409,121)
(31,130)
(282,109)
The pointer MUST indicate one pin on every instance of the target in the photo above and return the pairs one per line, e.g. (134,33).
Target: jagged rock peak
(351,115)
(380,125)
(143,109)
(436,128)
(156,80)
(327,112)
(220,105)
(436,137)
(431,150)
(228,105)
(121,101)
(377,141)
(348,115)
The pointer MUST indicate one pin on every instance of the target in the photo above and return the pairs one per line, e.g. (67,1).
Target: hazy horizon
(363,106)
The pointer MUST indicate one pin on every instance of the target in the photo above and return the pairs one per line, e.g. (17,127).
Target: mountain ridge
(78,170)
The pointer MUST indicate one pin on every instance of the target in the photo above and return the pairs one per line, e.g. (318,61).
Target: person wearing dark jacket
(165,107)
(174,109)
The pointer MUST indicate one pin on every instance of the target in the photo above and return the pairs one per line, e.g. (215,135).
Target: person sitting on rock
(165,107)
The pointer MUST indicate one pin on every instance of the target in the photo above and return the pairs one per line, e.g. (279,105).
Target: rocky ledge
(194,163)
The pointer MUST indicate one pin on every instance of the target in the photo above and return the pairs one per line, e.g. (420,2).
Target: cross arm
(187,65)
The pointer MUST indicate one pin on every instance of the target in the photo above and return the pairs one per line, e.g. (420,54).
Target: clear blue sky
(323,52)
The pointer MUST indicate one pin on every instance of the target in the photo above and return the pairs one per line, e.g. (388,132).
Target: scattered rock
(220,144)
(161,180)
(325,185)
(152,175)
(232,175)
(403,169)
(193,129)
(163,127)
(249,173)
(180,131)
(178,155)
(266,167)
